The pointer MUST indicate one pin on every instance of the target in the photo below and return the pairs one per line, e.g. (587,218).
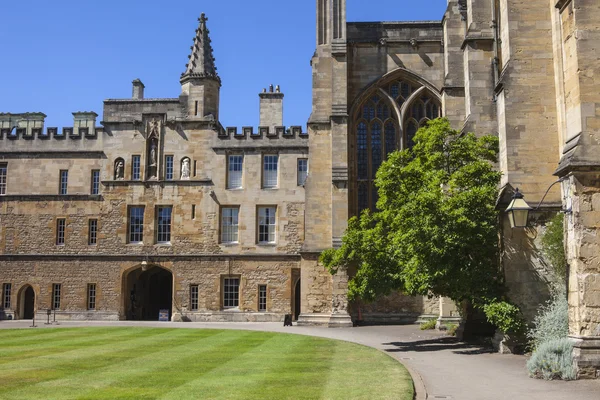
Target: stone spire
(202,62)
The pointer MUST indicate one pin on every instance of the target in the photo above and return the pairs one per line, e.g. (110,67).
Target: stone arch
(26,302)
(146,289)
(385,117)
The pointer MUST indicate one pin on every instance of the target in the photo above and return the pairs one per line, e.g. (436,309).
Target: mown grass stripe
(55,366)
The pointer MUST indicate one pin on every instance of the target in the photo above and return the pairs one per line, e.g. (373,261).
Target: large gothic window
(385,122)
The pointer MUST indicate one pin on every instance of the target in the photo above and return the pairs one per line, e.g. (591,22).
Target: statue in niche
(119,169)
(152,154)
(185,168)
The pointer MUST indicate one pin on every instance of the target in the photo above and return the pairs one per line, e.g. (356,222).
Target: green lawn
(146,363)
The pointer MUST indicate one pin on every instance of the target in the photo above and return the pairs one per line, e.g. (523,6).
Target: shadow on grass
(440,344)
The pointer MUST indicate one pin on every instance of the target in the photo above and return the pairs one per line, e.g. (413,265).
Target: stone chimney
(138,90)
(271,108)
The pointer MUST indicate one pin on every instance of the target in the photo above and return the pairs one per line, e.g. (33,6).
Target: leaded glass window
(231,292)
(163,224)
(229,224)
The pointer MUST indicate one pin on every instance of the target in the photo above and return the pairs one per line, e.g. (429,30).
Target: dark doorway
(27,303)
(147,292)
(297,300)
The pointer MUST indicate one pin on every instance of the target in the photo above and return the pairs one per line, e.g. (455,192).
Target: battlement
(277,132)
(30,126)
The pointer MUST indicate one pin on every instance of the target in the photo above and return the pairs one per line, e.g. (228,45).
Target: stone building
(161,207)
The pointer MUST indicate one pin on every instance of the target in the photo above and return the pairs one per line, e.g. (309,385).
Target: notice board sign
(163,315)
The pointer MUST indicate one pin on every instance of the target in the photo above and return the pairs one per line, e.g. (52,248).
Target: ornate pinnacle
(203,61)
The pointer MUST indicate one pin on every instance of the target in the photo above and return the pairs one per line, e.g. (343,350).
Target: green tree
(436,228)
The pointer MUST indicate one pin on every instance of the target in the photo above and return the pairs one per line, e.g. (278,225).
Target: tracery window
(386,121)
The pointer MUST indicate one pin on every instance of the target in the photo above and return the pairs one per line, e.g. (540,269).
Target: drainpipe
(494,27)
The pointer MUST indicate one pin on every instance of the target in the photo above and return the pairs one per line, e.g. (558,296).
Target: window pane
(363,197)
(135,168)
(3,177)
(64,178)
(390,139)
(91,296)
(234,173)
(302,171)
(56,288)
(270,171)
(169,168)
(362,151)
(93,232)
(164,225)
(60,231)
(266,225)
(95,182)
(376,148)
(194,297)
(7,292)
(136,224)
(262,298)
(231,292)
(229,225)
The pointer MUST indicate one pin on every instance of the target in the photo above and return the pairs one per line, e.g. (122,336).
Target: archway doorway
(26,302)
(297,300)
(147,292)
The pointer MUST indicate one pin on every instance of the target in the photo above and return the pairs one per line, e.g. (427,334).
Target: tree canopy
(435,230)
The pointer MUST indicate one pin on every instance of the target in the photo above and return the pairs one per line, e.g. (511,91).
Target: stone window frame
(228,172)
(136,167)
(262,298)
(230,286)
(63,182)
(271,228)
(400,92)
(138,235)
(302,174)
(95,182)
(194,297)
(93,232)
(61,228)
(267,162)
(230,232)
(163,229)
(3,178)
(56,296)
(6,295)
(92,290)
(169,167)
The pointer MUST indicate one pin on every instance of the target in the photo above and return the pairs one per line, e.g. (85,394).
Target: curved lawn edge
(340,363)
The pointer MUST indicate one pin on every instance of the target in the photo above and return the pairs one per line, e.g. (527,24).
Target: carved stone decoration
(185,168)
(153,139)
(119,169)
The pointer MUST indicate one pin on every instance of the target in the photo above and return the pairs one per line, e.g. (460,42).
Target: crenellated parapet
(263,132)
(31,126)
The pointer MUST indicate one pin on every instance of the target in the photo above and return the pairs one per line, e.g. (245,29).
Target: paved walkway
(449,369)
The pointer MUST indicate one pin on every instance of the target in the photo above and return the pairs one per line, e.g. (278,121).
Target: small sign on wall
(163,315)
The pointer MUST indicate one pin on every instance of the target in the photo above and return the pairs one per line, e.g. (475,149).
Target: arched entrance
(297,300)
(147,291)
(26,300)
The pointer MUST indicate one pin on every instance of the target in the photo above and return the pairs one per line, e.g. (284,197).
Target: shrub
(428,325)
(451,329)
(505,316)
(552,321)
(553,360)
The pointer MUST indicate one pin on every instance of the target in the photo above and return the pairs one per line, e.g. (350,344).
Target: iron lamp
(518,211)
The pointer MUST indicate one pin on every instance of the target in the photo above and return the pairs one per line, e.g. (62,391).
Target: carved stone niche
(119,169)
(153,135)
(185,168)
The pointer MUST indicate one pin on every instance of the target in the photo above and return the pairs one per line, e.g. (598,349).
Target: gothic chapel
(160,209)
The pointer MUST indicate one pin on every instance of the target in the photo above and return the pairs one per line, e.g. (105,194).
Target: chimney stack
(271,108)
(138,90)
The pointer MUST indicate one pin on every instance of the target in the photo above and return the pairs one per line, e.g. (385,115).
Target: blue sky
(69,55)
